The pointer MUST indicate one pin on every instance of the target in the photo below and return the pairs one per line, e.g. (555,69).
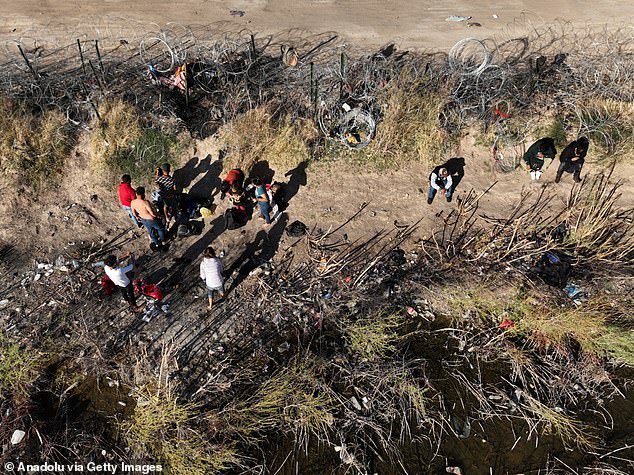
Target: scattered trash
(458,18)
(239,13)
(494,16)
(454,470)
(328,295)
(473,23)
(94,198)
(4,303)
(348,279)
(284,347)
(577,294)
(506,323)
(17,436)
(289,56)
(412,311)
(355,403)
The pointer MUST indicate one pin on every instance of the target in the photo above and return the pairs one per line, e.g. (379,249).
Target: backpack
(233,219)
(296,229)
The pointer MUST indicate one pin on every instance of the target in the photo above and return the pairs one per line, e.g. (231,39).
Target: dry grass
(19,368)
(291,401)
(119,128)
(33,144)
(408,130)
(373,337)
(166,429)
(120,144)
(610,126)
(259,135)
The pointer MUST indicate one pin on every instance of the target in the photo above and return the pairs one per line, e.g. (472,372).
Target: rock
(4,303)
(17,436)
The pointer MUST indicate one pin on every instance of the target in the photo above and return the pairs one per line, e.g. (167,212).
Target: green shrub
(18,370)
(122,144)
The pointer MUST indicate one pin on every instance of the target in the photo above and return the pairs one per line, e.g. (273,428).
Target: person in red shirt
(126,195)
(234,176)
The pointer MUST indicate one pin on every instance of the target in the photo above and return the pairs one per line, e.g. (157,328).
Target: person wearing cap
(539,156)
(440,181)
(572,158)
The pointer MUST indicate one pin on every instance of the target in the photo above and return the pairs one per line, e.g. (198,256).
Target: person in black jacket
(539,156)
(572,158)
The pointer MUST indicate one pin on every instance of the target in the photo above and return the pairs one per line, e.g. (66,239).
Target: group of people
(157,215)
(444,178)
(143,213)
(241,194)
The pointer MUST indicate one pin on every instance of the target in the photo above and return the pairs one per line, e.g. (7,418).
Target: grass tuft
(373,337)
(33,144)
(19,369)
(259,135)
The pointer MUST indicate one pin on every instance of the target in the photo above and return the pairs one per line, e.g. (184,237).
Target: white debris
(17,436)
(458,18)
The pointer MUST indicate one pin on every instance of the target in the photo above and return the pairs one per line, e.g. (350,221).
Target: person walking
(572,158)
(440,181)
(126,195)
(121,276)
(144,211)
(211,273)
(262,199)
(539,156)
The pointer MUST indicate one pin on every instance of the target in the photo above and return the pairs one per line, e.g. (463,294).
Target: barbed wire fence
(320,76)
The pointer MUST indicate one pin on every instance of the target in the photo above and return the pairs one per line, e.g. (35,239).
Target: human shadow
(170,278)
(184,176)
(262,170)
(209,184)
(262,249)
(455,167)
(297,179)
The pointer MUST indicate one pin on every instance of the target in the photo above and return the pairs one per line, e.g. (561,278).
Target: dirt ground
(420,24)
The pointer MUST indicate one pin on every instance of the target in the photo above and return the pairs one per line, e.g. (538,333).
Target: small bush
(33,144)
(121,144)
(18,370)
(291,401)
(162,427)
(610,126)
(371,338)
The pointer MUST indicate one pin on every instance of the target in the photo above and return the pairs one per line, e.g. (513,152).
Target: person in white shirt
(211,273)
(439,181)
(119,275)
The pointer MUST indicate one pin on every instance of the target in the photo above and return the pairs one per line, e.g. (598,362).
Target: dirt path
(371,22)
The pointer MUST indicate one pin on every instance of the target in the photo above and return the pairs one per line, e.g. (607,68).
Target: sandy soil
(413,24)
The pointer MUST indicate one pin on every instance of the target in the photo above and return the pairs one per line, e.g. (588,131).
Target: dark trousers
(128,294)
(574,168)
